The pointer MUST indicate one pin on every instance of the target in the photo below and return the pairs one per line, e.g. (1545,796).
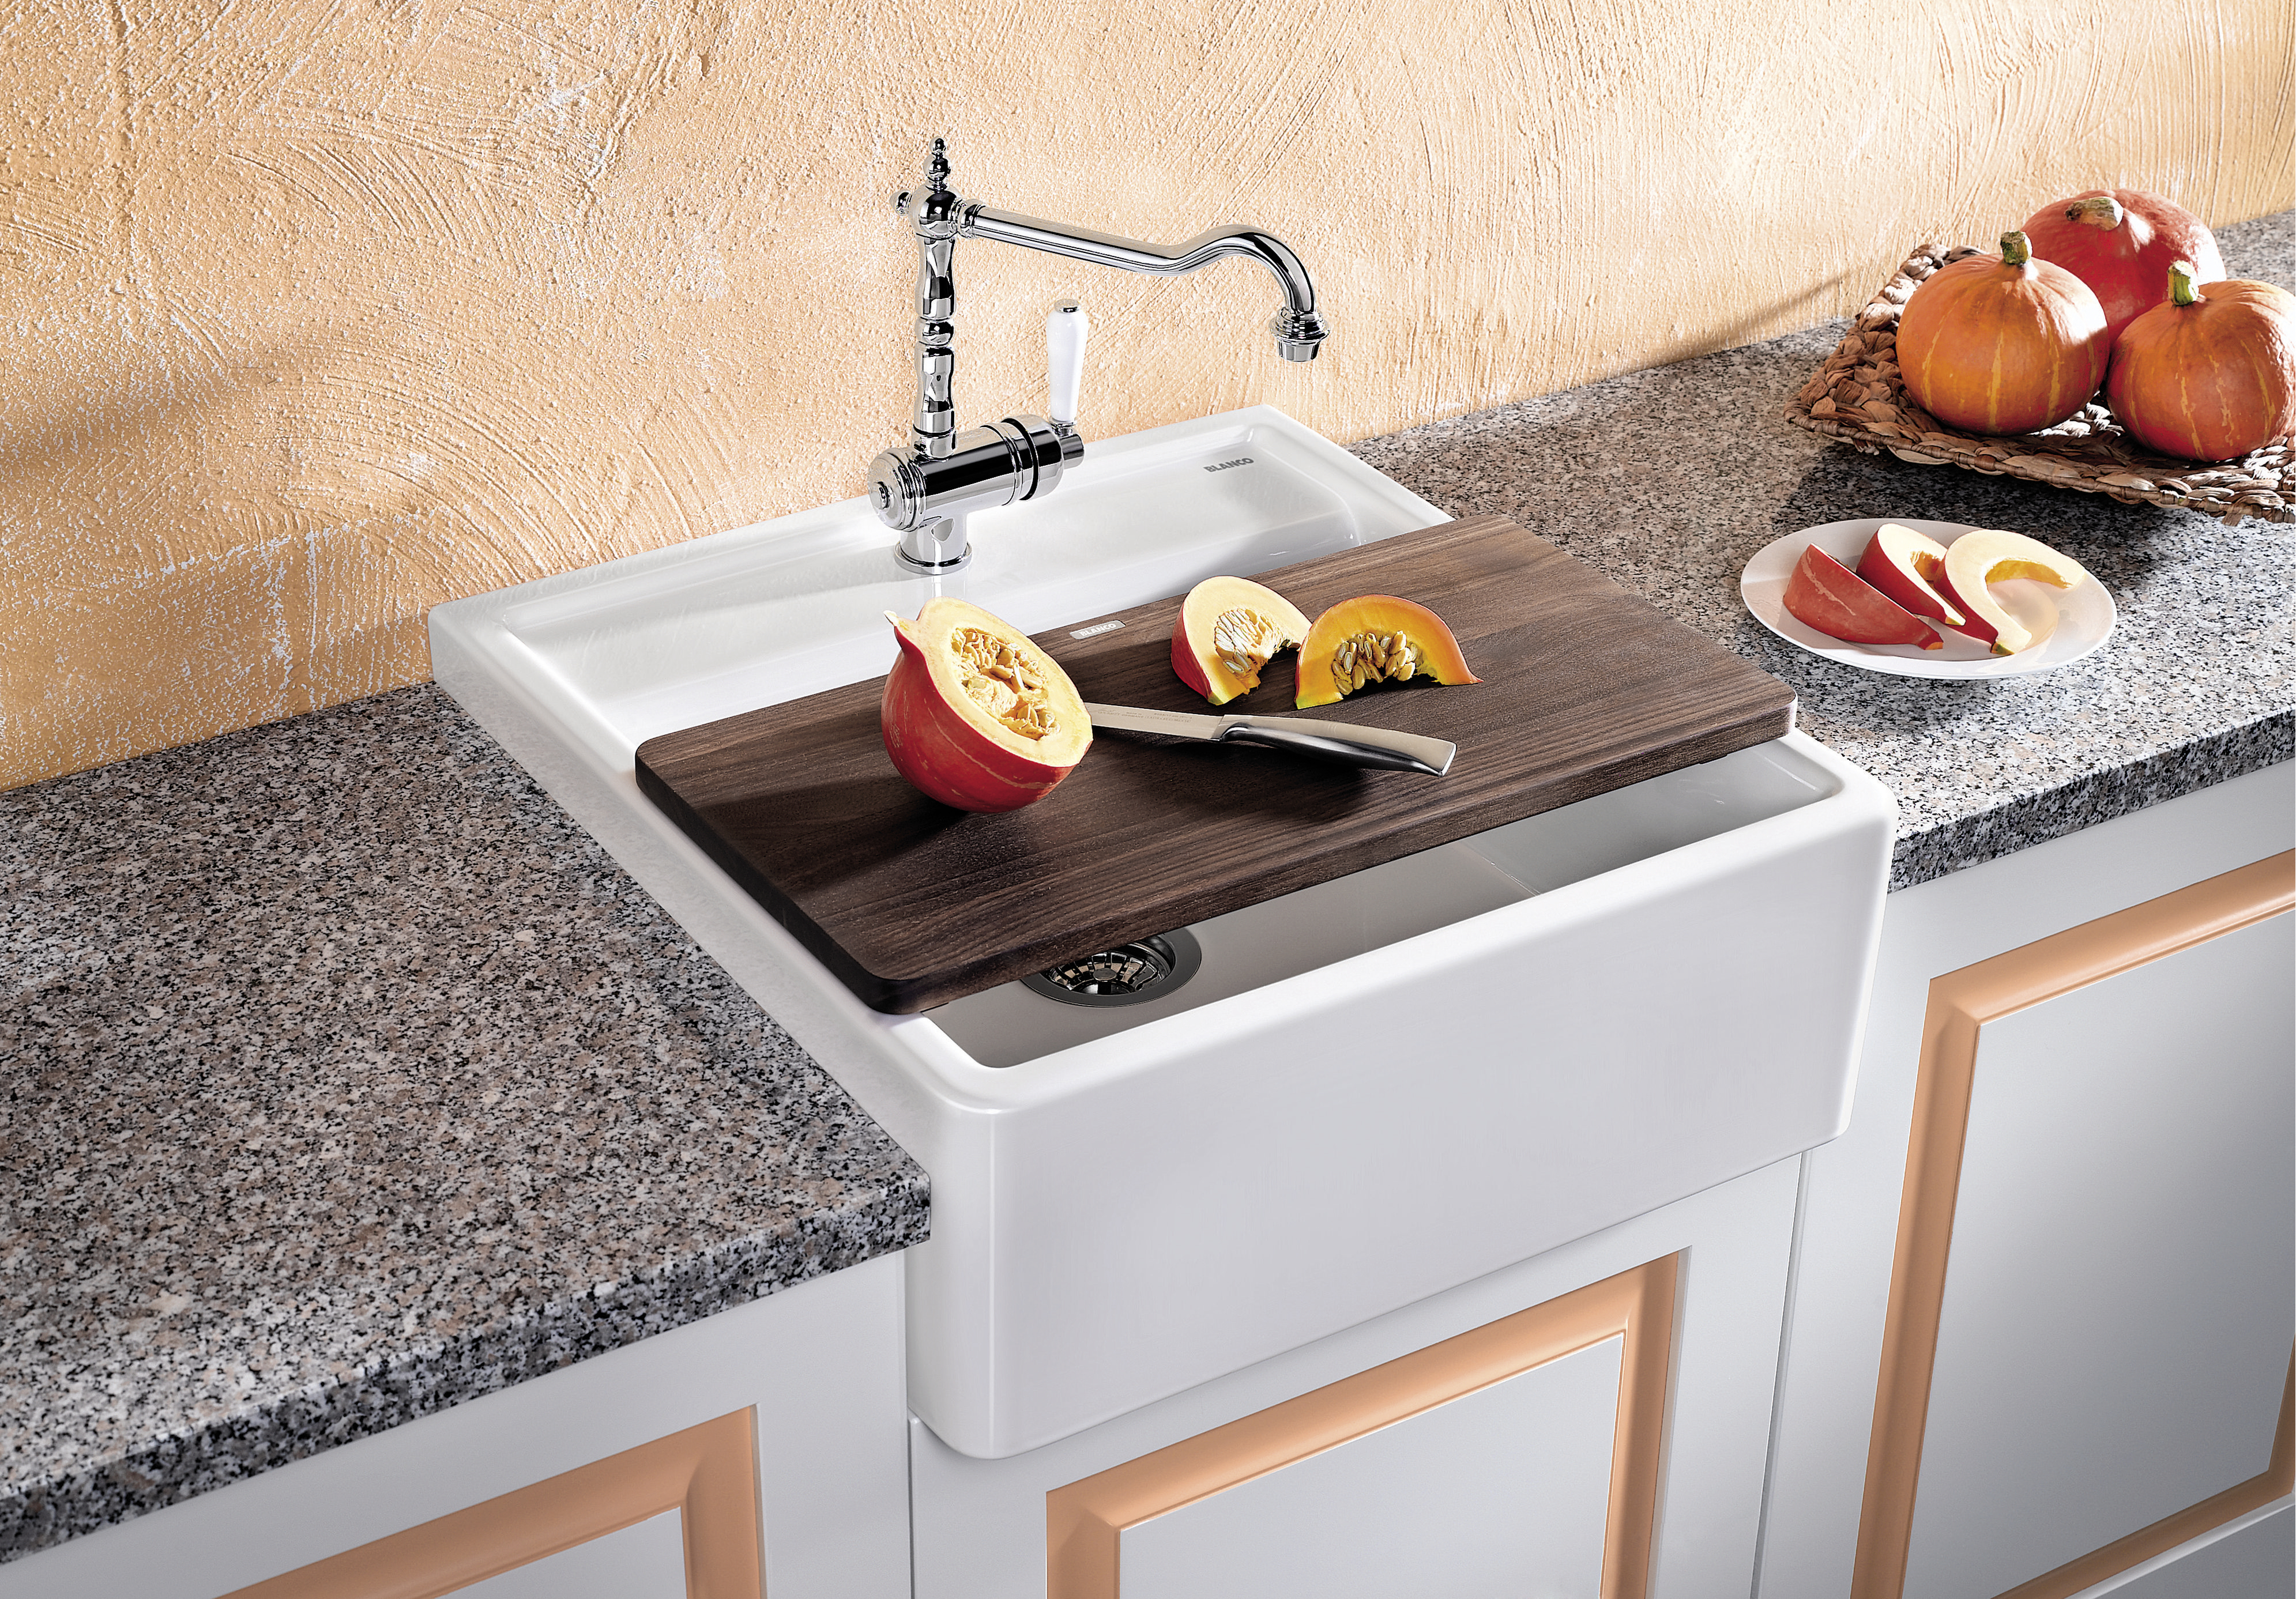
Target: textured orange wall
(319,312)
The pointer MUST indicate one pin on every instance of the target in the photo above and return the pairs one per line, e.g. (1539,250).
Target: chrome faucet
(928,491)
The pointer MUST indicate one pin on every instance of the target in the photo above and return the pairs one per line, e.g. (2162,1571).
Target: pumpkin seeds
(1006,683)
(1371,658)
(1243,641)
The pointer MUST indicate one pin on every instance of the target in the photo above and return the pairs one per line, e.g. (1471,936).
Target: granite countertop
(346,1079)
(1669,480)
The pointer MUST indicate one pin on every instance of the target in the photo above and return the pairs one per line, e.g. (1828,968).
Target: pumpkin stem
(2182,290)
(2014,250)
(2097,211)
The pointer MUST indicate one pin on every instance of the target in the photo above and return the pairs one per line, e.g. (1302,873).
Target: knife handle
(1375,747)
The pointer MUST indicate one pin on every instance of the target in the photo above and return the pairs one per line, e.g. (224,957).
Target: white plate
(2070,623)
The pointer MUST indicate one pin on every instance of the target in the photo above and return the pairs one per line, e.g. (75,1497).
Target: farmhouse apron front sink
(1364,1092)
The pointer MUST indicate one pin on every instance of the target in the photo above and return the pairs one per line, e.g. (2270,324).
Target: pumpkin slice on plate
(975,714)
(1986,555)
(1826,595)
(1904,565)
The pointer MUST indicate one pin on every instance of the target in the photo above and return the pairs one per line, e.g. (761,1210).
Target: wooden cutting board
(1585,688)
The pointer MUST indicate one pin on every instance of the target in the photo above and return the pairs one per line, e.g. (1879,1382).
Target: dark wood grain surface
(1585,688)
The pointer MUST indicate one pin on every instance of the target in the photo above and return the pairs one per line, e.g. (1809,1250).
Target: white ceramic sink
(1374,1089)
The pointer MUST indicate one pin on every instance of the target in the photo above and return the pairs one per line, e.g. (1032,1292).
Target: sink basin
(1370,1091)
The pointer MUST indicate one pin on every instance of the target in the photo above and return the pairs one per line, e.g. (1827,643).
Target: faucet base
(925,549)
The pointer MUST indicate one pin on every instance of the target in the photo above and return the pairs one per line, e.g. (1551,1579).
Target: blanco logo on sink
(1241,460)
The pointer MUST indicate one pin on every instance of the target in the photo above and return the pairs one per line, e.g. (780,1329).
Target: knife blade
(1377,747)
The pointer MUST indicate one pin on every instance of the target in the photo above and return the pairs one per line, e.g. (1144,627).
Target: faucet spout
(1298,328)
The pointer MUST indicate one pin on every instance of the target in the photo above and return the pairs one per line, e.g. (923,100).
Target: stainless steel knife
(1373,746)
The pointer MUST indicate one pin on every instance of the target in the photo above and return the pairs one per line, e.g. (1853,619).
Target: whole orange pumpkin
(2120,243)
(2001,343)
(2210,373)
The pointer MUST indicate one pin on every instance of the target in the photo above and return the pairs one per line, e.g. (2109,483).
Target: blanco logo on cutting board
(1241,460)
(1094,630)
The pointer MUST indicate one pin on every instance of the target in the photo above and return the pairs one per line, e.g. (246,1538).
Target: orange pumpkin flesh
(1987,555)
(1228,629)
(975,714)
(1375,638)
(2120,243)
(1830,598)
(2209,374)
(2001,343)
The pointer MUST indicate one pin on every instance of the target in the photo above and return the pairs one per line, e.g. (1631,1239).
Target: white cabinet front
(2087,1357)
(1502,1490)
(2116,1319)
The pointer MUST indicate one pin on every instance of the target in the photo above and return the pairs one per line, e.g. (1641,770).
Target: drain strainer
(1131,973)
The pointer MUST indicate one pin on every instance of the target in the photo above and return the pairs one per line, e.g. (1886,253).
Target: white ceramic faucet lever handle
(1065,331)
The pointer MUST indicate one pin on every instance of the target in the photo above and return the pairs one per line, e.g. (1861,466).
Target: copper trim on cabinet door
(709,1473)
(1084,1519)
(1960,1004)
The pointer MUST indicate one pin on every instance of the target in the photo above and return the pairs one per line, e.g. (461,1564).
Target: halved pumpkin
(1987,555)
(1228,631)
(1375,638)
(975,714)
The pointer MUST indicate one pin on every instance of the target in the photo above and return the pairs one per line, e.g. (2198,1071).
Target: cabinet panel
(2087,1354)
(2116,1324)
(1090,1523)
(1503,1491)
(645,1562)
(706,1477)
(1849,1228)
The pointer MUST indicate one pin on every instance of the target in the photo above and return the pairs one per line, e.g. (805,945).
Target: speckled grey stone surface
(345,1079)
(1669,480)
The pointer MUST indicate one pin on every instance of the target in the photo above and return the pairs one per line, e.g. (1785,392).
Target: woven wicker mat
(1858,397)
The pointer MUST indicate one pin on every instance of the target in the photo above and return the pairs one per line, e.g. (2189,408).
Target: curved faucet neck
(979,221)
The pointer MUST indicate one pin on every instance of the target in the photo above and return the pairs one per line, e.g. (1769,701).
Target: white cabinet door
(1502,1492)
(1848,1231)
(2116,1320)
(2088,1350)
(673,1519)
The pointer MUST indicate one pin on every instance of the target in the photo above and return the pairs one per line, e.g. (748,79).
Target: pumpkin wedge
(1371,639)
(1904,565)
(1228,629)
(1826,595)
